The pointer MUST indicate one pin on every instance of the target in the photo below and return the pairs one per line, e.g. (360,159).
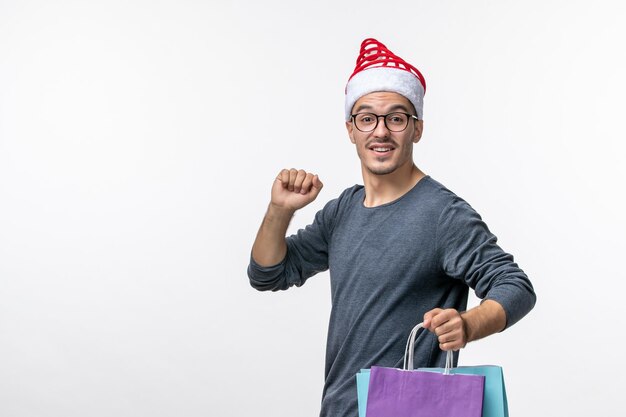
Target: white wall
(138,142)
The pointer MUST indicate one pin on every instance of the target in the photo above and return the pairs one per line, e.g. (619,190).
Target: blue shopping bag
(362,385)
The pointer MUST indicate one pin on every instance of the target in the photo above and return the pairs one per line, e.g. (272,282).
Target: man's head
(384,99)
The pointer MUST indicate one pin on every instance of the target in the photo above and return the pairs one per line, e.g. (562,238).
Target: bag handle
(410,349)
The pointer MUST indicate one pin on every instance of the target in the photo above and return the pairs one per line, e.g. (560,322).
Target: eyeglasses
(394,122)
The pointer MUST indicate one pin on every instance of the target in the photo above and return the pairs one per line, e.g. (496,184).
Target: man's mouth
(383,149)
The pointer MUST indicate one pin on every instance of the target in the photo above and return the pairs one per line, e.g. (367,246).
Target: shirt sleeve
(469,251)
(307,254)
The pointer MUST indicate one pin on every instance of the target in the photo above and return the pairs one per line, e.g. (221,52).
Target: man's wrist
(481,321)
(466,329)
(279,212)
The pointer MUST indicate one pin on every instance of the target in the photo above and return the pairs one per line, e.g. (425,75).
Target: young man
(401,249)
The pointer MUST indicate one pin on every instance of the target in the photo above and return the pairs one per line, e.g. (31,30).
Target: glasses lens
(396,122)
(365,122)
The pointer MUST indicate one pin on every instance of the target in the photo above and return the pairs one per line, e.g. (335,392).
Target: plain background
(139,141)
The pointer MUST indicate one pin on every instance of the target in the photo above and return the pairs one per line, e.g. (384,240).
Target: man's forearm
(269,246)
(484,320)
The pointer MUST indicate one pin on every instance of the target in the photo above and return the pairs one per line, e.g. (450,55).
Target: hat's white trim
(385,79)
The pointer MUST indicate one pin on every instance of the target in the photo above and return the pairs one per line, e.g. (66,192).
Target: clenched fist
(448,326)
(294,189)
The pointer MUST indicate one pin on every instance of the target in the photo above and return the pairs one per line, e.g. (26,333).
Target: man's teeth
(382,149)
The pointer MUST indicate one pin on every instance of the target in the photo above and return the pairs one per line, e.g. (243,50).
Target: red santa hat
(379,69)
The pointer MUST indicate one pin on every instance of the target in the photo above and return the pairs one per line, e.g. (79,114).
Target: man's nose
(381,128)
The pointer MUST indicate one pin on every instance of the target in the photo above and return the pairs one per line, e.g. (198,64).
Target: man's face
(382,151)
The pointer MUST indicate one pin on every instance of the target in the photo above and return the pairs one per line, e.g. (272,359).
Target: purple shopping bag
(407,393)
(399,393)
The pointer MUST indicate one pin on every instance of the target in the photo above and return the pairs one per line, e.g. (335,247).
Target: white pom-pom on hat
(379,69)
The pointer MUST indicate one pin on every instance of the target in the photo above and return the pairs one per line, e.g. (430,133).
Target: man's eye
(367,119)
(396,118)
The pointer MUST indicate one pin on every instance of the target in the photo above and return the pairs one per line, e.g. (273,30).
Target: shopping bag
(362,385)
(396,392)
(494,400)
(404,392)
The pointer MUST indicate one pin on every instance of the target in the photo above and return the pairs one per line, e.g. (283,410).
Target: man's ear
(350,128)
(419,128)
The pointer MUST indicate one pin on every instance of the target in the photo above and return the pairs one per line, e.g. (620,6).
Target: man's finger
(293,174)
(306,184)
(443,317)
(283,177)
(300,177)
(428,318)
(317,183)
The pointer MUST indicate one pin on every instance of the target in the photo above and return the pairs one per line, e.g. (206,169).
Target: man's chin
(381,170)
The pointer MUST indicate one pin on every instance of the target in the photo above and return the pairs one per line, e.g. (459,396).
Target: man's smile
(381,149)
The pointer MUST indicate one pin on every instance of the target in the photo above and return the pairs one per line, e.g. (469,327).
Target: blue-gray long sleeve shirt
(388,266)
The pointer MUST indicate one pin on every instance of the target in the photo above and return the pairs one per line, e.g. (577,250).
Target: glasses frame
(384,116)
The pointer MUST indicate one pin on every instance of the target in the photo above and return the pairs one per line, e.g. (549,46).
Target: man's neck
(383,189)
